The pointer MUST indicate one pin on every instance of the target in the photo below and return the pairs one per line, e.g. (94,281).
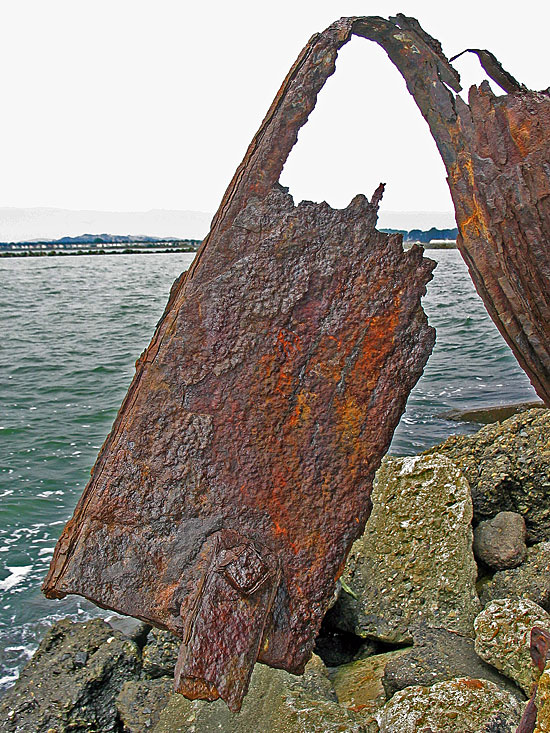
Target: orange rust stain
(289,341)
(283,532)
(521,132)
(302,410)
(475,225)
(472,684)
(351,416)
(284,384)
(278,529)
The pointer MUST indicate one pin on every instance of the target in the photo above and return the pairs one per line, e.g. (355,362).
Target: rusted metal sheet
(238,471)
(497,153)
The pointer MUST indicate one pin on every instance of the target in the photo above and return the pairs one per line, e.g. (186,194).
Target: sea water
(71,329)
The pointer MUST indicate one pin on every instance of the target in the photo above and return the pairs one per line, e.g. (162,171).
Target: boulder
(414,564)
(508,468)
(461,705)
(530,580)
(359,685)
(440,655)
(503,634)
(140,702)
(500,542)
(160,653)
(276,702)
(72,681)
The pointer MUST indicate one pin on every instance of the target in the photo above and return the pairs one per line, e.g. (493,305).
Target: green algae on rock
(140,703)
(414,564)
(503,638)
(160,653)
(462,705)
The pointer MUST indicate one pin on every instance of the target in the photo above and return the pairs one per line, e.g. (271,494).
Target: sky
(131,105)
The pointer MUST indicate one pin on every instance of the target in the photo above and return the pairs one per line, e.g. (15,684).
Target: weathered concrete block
(414,564)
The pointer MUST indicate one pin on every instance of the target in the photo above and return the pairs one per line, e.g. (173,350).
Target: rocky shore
(430,631)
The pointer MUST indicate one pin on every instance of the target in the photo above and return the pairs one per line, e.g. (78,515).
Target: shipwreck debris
(237,474)
(224,502)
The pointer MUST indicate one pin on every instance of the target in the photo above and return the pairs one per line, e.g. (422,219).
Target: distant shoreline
(78,252)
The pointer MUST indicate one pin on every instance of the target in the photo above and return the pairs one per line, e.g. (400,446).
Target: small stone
(503,634)
(531,580)
(500,542)
(461,705)
(80,659)
(414,564)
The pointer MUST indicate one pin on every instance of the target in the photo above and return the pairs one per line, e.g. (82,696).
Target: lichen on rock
(456,706)
(414,564)
(543,702)
(503,631)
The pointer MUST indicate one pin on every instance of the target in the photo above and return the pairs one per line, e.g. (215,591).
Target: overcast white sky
(129,105)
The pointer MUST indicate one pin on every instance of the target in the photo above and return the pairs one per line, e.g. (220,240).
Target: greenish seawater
(72,328)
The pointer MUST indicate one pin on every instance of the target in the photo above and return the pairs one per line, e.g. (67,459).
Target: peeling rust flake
(238,471)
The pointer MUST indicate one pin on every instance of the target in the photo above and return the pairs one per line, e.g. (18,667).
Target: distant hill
(425,236)
(17,225)
(104,239)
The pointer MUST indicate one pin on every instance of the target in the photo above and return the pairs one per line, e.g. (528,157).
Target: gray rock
(414,563)
(160,654)
(530,580)
(132,628)
(140,702)
(455,706)
(277,702)
(500,542)
(508,468)
(490,413)
(72,681)
(503,632)
(440,655)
